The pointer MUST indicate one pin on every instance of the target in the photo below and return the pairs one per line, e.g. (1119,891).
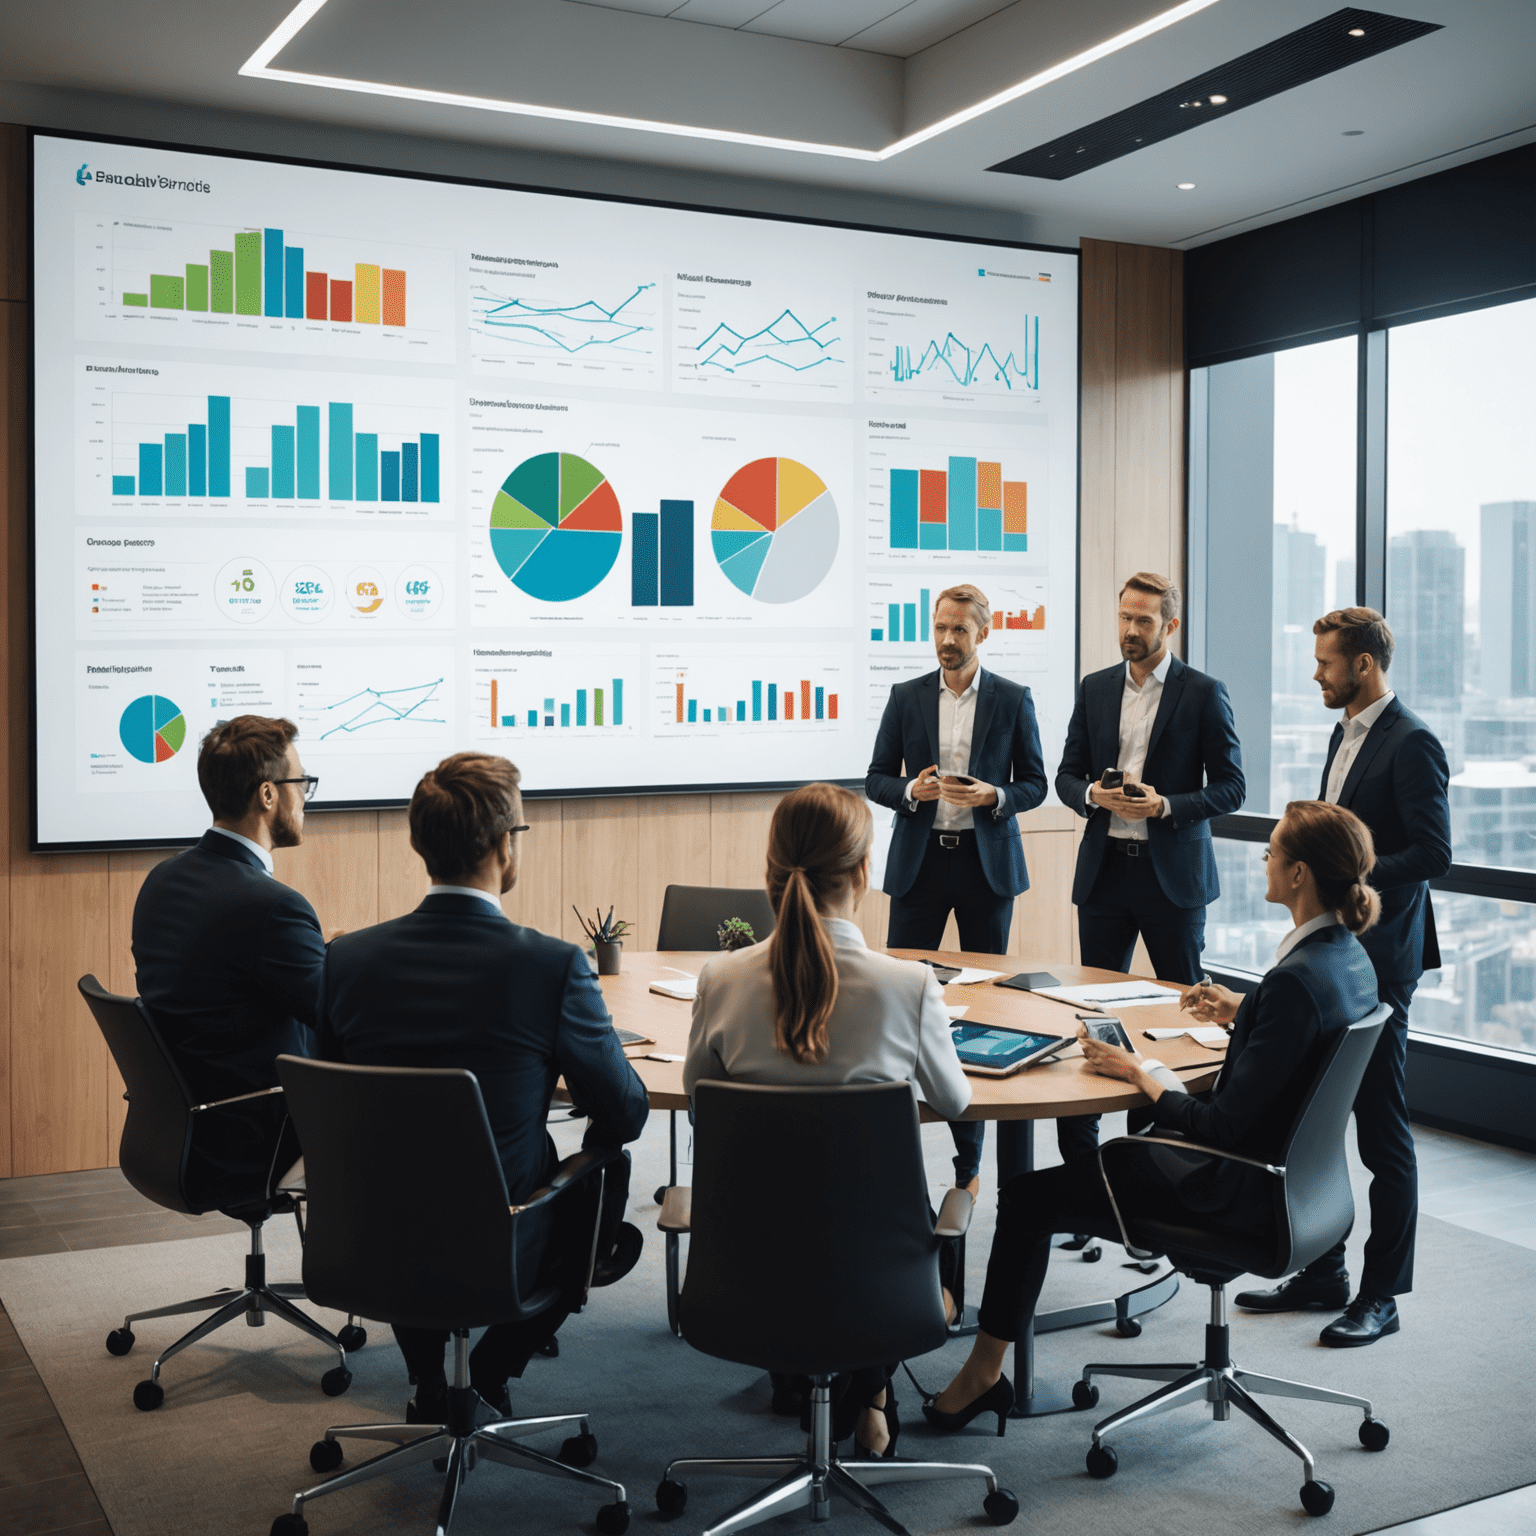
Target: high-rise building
(1344,584)
(1300,584)
(1426,607)
(1507,628)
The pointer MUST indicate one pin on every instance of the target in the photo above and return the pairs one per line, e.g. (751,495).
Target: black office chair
(1313,1208)
(159,1155)
(428,1240)
(814,1252)
(690,914)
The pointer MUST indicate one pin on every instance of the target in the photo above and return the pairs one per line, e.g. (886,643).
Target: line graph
(388,706)
(952,363)
(786,342)
(589,331)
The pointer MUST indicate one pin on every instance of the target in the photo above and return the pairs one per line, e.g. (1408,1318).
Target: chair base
(456,1447)
(1217,1380)
(810,1481)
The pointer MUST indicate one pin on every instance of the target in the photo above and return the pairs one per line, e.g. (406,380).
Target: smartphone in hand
(1110,1030)
(1112,778)
(956,778)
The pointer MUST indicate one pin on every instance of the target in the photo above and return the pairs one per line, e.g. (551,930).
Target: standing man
(1389,768)
(1145,865)
(957,757)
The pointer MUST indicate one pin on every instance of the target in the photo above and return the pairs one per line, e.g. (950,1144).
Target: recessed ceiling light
(1218,101)
(1357,31)
(1186,186)
(260,67)
(1354,133)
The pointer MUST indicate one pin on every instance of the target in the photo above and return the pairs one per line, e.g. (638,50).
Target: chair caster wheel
(580,1451)
(671,1497)
(1084,1394)
(119,1341)
(1102,1461)
(1374,1435)
(1128,1327)
(550,1349)
(1092,1254)
(1317,1497)
(148,1396)
(336,1381)
(352,1337)
(613,1519)
(325,1455)
(290,1525)
(1001,1507)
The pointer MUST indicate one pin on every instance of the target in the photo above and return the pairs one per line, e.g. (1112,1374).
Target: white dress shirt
(1138,713)
(245,842)
(494,902)
(957,724)
(888,1025)
(1355,732)
(1296,935)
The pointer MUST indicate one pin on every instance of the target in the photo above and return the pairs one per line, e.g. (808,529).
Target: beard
(1342,696)
(288,828)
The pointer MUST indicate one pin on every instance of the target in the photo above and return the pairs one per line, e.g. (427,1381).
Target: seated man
(231,962)
(455,984)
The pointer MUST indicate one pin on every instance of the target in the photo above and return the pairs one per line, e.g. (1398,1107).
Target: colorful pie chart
(556,527)
(153,729)
(775,530)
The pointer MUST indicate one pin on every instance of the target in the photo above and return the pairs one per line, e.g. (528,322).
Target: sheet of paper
(684,988)
(956,1014)
(968,975)
(1114,995)
(1205,1034)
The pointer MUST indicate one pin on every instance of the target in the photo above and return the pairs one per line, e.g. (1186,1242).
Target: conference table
(1059,1087)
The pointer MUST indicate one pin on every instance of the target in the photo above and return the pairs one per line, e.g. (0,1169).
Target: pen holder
(608,953)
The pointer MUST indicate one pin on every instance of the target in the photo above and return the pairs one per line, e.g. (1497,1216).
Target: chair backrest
(1319,1204)
(408,1215)
(690,914)
(812,1246)
(157,1134)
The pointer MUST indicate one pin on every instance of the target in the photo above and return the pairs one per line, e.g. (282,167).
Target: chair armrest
(955,1213)
(1193,1146)
(575,1168)
(676,1209)
(239,1098)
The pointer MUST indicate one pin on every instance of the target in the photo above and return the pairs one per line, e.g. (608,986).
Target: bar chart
(784,698)
(661,556)
(966,506)
(567,691)
(581,709)
(900,614)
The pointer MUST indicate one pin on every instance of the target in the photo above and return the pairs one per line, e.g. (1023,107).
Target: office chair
(162,1136)
(430,1241)
(1313,1208)
(814,1251)
(690,914)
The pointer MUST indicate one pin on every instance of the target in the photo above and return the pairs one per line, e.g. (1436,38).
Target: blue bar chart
(661,557)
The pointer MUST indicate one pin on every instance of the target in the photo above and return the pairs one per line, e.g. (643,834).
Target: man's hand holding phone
(926,785)
(962,789)
(1131,801)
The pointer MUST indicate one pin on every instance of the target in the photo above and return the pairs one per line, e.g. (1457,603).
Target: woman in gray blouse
(814,1005)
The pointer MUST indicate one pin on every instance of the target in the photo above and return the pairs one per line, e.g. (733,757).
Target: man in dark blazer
(957,757)
(1145,866)
(230,960)
(457,984)
(1389,768)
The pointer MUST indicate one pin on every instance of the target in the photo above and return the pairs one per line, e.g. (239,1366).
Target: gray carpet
(231,1443)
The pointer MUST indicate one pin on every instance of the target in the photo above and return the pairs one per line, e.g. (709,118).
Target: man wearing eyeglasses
(231,962)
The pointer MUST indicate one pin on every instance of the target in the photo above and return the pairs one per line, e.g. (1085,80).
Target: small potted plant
(735,933)
(607,940)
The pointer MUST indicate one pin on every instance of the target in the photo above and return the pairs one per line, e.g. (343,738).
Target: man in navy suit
(456,984)
(1389,768)
(957,757)
(1145,866)
(230,960)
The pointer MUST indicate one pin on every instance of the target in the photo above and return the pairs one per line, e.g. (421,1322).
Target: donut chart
(556,527)
(153,729)
(775,530)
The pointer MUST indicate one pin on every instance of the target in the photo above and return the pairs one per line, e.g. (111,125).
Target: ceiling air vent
(1309,53)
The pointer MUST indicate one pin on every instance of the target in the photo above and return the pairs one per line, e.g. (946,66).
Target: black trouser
(1385,1140)
(1127,902)
(951,879)
(504,1351)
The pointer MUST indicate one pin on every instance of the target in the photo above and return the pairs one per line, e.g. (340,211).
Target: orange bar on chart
(831,706)
(989,484)
(932,496)
(1015,506)
(393,296)
(679,703)
(805,699)
(789,706)
(365,295)
(495,718)
(1039,619)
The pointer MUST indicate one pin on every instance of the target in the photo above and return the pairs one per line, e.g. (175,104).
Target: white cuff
(1162,1075)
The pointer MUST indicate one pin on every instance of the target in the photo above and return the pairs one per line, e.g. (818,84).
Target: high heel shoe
(892,1428)
(998,1399)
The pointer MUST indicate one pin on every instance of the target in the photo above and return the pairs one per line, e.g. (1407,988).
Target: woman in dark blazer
(1318,860)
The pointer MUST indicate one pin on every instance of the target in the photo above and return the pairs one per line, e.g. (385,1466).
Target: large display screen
(641,497)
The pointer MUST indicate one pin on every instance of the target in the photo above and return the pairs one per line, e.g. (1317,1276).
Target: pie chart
(556,527)
(153,729)
(775,530)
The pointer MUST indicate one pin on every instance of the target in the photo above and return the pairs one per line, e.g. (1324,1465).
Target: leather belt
(1131,847)
(952,840)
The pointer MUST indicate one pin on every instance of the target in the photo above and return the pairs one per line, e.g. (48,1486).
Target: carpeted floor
(231,1443)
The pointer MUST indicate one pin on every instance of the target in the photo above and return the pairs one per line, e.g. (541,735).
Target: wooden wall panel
(537,900)
(600,862)
(402,876)
(337,867)
(738,838)
(13,213)
(1096,538)
(674,845)
(1043,922)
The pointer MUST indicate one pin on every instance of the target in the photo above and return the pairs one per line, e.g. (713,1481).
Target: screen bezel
(323,807)
(1052,1044)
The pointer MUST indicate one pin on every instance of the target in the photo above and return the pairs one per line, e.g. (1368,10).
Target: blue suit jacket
(454,984)
(1397,785)
(1194,762)
(1005,751)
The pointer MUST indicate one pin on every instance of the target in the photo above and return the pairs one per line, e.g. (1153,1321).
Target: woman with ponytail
(815,1006)
(1318,864)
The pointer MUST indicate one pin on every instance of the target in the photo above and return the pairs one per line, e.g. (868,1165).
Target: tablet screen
(981,1045)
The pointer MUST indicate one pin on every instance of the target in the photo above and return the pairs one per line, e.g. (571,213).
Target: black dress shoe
(1367,1319)
(623,1257)
(1301,1293)
(430,1404)
(497,1398)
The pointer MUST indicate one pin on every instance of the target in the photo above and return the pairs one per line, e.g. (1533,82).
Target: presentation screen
(641,497)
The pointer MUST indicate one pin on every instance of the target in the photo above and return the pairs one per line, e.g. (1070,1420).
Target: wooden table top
(1056,1088)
